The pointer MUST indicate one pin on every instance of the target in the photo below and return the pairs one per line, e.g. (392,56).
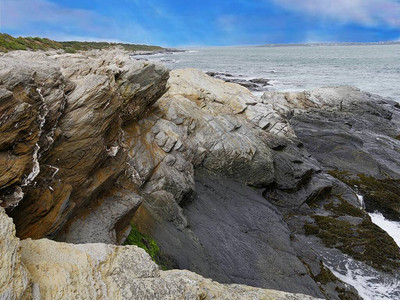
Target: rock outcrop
(354,135)
(44,269)
(62,143)
(14,279)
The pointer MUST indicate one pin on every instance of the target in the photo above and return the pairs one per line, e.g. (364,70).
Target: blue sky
(204,22)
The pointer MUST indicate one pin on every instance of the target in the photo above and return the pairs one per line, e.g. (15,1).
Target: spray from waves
(369,283)
(391,227)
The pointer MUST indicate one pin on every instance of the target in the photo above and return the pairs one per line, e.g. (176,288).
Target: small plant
(150,246)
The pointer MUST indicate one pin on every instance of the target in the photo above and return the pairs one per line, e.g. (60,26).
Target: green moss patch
(344,208)
(365,242)
(379,194)
(346,295)
(325,276)
(150,246)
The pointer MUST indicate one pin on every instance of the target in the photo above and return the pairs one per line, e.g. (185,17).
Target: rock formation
(62,116)
(222,180)
(44,269)
(354,135)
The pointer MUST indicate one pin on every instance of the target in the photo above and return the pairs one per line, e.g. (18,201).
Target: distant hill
(9,43)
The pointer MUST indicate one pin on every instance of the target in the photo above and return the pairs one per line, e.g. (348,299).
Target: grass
(9,43)
(150,246)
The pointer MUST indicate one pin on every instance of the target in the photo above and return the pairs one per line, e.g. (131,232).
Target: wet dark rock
(235,235)
(257,84)
(365,155)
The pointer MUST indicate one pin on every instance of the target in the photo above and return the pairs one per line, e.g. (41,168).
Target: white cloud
(16,13)
(56,21)
(365,12)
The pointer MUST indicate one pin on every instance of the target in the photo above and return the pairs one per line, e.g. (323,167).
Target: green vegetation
(150,246)
(365,242)
(346,295)
(344,208)
(9,43)
(379,194)
(325,276)
(361,239)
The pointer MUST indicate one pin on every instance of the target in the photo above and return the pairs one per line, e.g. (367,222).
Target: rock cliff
(222,180)
(62,142)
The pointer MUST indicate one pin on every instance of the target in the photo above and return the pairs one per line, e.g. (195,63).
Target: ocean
(372,68)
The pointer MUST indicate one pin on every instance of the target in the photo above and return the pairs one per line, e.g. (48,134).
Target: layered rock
(206,126)
(62,117)
(353,135)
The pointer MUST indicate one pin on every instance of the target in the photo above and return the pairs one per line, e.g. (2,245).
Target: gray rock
(354,135)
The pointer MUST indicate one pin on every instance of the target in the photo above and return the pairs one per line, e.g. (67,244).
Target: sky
(177,23)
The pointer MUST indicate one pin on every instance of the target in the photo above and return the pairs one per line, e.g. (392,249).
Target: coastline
(370,68)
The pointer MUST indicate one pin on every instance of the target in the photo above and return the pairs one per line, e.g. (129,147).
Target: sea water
(372,68)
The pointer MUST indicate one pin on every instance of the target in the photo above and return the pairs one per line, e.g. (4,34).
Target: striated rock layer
(62,143)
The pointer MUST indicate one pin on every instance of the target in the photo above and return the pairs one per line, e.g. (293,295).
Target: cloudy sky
(204,22)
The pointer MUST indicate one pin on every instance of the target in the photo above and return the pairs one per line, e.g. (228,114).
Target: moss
(344,208)
(379,194)
(150,246)
(325,276)
(311,229)
(344,294)
(365,242)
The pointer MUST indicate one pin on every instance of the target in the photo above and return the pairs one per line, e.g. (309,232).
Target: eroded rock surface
(14,280)
(203,123)
(62,141)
